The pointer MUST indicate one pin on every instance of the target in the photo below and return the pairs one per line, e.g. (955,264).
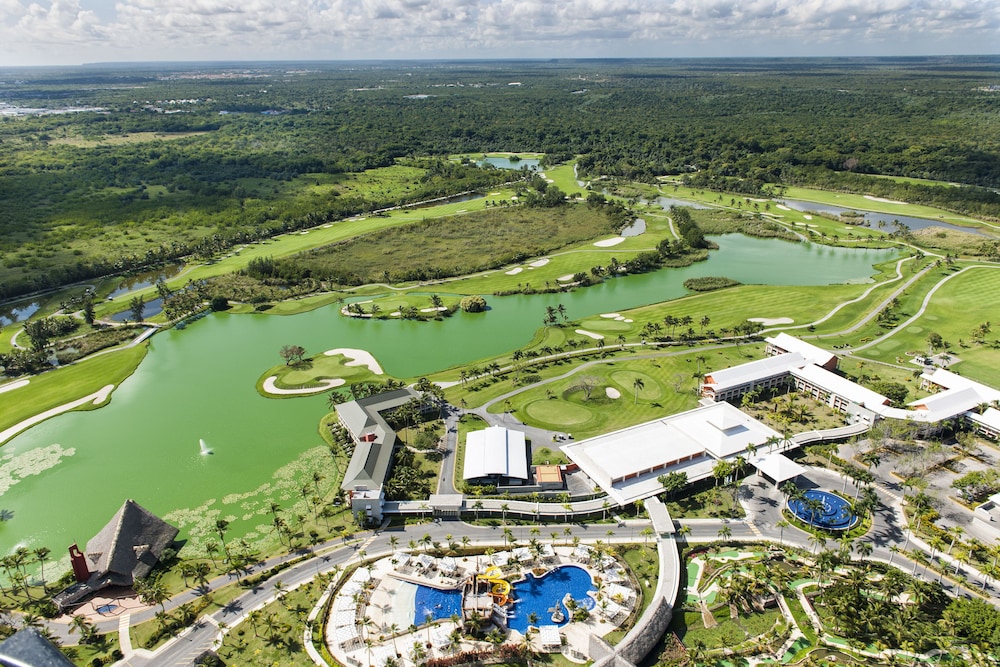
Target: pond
(143,279)
(874,218)
(637,227)
(152,308)
(18,311)
(507,163)
(667,202)
(199,383)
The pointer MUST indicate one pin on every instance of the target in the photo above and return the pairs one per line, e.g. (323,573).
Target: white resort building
(626,463)
(496,455)
(374,443)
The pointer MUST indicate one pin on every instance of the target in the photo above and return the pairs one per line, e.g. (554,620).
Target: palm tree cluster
(874,603)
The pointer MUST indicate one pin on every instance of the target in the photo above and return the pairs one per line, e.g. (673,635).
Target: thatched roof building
(124,550)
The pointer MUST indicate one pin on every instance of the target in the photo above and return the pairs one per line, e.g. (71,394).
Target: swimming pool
(440,605)
(539,595)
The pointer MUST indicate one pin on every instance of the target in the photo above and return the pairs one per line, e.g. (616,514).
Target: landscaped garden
(783,605)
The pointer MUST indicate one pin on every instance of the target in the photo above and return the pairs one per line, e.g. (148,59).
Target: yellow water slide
(499,587)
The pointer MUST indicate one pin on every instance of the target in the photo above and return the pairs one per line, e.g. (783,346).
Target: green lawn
(62,385)
(310,372)
(956,309)
(668,387)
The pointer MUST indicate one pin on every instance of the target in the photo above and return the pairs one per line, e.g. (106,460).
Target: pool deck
(388,605)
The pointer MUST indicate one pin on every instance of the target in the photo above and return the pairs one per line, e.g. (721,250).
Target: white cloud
(262,29)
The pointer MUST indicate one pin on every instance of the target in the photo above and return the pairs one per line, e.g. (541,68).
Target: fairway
(955,311)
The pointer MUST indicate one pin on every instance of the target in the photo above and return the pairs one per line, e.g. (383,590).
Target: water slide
(499,587)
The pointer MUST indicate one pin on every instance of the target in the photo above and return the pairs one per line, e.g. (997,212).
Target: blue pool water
(835,514)
(441,605)
(540,594)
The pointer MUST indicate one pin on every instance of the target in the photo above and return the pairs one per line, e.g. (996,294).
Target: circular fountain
(823,509)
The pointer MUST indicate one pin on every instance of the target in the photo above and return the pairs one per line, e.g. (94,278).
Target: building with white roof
(986,424)
(835,390)
(496,455)
(627,462)
(733,382)
(785,344)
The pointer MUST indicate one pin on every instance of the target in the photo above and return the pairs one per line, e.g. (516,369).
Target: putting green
(651,389)
(559,412)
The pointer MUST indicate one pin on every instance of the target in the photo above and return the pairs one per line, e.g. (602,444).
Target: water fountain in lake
(204,448)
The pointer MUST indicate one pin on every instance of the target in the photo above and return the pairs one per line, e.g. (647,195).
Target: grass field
(667,386)
(62,385)
(958,307)
(456,245)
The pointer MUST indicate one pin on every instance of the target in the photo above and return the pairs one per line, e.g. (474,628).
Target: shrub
(473,304)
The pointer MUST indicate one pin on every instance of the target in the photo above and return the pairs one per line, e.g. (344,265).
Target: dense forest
(195,159)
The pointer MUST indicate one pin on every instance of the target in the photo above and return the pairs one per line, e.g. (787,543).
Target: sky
(71,32)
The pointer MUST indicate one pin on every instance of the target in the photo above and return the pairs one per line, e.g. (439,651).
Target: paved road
(761,500)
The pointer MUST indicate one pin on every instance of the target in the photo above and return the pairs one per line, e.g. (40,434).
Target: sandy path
(271,388)
(10,386)
(96,398)
(358,358)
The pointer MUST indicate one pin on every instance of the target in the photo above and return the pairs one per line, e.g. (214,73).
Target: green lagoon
(64,478)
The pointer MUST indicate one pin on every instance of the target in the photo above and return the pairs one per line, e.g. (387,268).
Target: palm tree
(725,532)
(221,525)
(41,555)
(781,530)
(637,385)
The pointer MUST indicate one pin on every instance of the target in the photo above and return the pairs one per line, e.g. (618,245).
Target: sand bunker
(514,272)
(607,243)
(886,201)
(627,321)
(782,207)
(611,316)
(770,321)
(807,216)
(326,385)
(357,358)
(538,263)
(432,310)
(562,279)
(612,393)
(590,334)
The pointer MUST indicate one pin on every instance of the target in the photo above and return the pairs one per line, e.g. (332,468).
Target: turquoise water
(440,605)
(539,595)
(71,473)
